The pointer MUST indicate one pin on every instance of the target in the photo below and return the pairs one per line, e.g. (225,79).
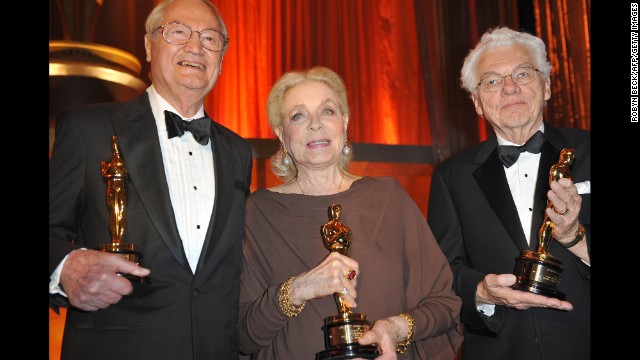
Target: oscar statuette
(115,172)
(341,332)
(538,271)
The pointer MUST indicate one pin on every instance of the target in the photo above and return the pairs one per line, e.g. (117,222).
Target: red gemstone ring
(351,274)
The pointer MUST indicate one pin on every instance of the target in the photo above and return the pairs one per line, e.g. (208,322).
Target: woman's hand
(329,277)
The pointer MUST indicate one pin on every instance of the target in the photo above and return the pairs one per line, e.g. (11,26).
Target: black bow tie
(509,154)
(199,128)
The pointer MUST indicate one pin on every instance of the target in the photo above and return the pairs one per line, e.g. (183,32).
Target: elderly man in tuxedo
(187,181)
(487,204)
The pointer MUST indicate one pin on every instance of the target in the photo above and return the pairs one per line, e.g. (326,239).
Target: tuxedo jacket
(182,315)
(472,215)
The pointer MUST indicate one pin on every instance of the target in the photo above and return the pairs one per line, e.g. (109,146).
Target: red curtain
(373,45)
(565,26)
(447,31)
(400,60)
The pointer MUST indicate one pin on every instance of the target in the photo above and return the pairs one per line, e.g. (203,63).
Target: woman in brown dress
(394,272)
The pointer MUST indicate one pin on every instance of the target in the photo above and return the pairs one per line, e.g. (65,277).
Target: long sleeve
(428,284)
(66,182)
(260,318)
(443,220)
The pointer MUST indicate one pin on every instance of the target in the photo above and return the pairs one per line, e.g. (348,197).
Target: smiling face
(313,127)
(515,111)
(188,69)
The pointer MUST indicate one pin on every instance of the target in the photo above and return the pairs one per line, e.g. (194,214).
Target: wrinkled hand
(329,277)
(564,196)
(386,333)
(90,279)
(496,289)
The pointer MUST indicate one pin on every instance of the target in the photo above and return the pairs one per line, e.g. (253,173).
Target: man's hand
(564,196)
(496,289)
(566,209)
(90,279)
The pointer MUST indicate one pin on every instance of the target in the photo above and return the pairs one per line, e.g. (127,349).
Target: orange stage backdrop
(372,44)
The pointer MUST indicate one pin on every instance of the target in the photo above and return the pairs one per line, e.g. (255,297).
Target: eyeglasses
(178,34)
(521,76)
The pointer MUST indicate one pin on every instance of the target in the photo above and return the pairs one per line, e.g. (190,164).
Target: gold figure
(558,171)
(336,237)
(342,331)
(116,175)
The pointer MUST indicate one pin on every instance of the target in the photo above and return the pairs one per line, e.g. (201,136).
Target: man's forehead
(185,12)
(504,58)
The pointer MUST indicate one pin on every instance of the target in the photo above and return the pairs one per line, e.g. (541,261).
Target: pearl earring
(286,160)
(346,150)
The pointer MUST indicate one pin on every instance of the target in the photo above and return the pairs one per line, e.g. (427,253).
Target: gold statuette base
(129,252)
(341,333)
(539,274)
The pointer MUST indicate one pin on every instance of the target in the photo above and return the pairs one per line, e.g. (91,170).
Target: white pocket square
(584,187)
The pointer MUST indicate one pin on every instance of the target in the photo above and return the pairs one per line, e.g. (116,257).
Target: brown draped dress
(402,269)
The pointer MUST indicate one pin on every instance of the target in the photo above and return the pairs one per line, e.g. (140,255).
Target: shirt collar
(502,141)
(159,105)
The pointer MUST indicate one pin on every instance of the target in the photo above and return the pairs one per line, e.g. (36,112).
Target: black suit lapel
(224,168)
(548,157)
(493,183)
(140,146)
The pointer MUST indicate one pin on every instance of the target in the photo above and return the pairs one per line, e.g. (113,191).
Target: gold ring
(566,211)
(351,274)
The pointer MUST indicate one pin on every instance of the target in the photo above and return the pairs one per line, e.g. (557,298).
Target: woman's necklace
(299,187)
(302,191)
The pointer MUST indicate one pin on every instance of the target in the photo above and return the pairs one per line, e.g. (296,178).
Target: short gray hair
(497,37)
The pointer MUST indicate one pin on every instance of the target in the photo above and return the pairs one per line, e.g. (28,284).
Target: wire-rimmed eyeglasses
(178,34)
(521,76)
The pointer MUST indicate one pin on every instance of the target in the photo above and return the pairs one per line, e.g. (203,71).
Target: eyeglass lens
(520,76)
(178,34)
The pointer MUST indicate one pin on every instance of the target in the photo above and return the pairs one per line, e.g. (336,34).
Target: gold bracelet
(402,346)
(580,233)
(286,306)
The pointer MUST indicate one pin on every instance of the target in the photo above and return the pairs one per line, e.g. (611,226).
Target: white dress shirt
(522,177)
(188,167)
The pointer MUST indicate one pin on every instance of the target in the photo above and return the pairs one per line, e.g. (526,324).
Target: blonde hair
(274,112)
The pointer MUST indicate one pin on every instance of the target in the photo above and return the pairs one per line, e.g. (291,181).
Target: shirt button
(190,153)
(195,188)
(198,226)
(196,293)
